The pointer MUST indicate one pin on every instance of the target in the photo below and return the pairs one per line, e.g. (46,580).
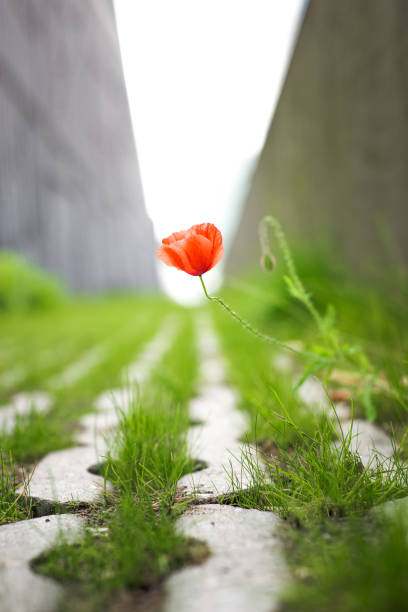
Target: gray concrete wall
(70,190)
(335,163)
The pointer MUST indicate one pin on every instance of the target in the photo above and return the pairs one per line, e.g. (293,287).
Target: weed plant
(329,350)
(372,320)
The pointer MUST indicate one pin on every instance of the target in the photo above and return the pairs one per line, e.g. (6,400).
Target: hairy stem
(302,294)
(246,325)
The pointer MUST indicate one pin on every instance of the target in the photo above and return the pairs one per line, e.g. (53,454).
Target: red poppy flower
(194,251)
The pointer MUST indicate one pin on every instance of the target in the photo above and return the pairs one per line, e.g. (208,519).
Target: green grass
(356,566)
(138,546)
(125,324)
(262,388)
(43,344)
(35,435)
(176,374)
(316,480)
(13,507)
(24,286)
(133,321)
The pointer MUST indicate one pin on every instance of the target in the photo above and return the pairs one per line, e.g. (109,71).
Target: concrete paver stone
(245,571)
(21,589)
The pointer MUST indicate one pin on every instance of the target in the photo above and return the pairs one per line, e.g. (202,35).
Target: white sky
(203,78)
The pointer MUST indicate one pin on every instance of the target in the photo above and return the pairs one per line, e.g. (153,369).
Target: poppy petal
(175,237)
(199,252)
(212,233)
(168,256)
(217,254)
(181,250)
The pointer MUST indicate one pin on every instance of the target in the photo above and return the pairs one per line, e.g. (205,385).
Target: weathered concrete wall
(70,190)
(335,163)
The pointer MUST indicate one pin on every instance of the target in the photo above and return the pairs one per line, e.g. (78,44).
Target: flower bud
(268,262)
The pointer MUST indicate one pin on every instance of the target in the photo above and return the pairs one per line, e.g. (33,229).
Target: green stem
(249,327)
(303,296)
(205,290)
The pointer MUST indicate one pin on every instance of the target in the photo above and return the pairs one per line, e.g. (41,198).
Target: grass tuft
(13,507)
(317,479)
(34,435)
(354,566)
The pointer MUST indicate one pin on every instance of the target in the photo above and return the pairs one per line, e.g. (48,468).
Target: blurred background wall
(335,164)
(70,190)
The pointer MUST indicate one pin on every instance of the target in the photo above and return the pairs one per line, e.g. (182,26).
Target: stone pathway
(215,438)
(64,477)
(246,568)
